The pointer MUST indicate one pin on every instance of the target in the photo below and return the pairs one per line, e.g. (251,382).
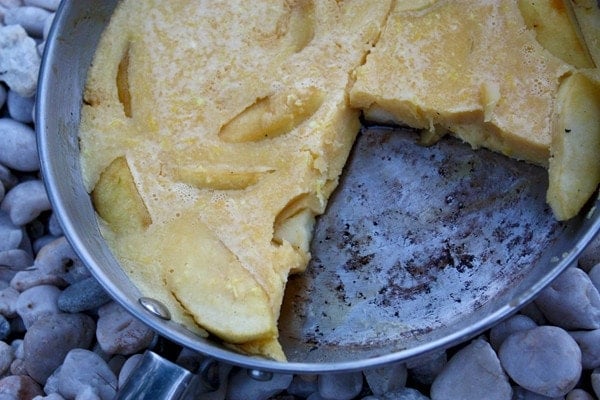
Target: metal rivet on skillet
(259,375)
(155,307)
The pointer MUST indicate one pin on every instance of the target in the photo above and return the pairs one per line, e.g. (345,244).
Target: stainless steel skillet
(420,248)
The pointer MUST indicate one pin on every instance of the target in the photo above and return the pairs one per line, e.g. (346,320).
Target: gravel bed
(62,337)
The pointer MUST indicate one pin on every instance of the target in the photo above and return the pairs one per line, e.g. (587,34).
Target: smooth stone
(19,387)
(47,4)
(84,295)
(303,385)
(11,235)
(82,369)
(30,18)
(505,328)
(37,302)
(8,179)
(571,301)
(17,367)
(20,108)
(51,385)
(128,367)
(544,360)
(594,275)
(5,329)
(242,386)
(17,344)
(54,226)
(7,355)
(18,145)
(342,386)
(3,95)
(589,344)
(579,394)
(8,302)
(26,201)
(590,256)
(16,259)
(50,338)
(20,60)
(386,379)
(524,394)
(595,381)
(424,369)
(115,363)
(118,332)
(47,26)
(404,394)
(51,396)
(474,372)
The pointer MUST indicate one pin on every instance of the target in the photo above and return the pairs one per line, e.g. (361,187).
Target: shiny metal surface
(420,248)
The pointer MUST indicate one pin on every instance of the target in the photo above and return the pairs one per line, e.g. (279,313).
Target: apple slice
(557,29)
(574,165)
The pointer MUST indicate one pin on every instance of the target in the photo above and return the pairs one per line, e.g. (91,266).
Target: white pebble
(20,61)
(20,108)
(8,302)
(505,328)
(26,201)
(47,4)
(118,332)
(82,369)
(128,367)
(589,343)
(38,302)
(571,301)
(30,18)
(544,360)
(10,234)
(18,145)
(7,355)
(579,394)
(388,378)
(342,386)
(242,386)
(474,372)
(47,25)
(51,396)
(16,259)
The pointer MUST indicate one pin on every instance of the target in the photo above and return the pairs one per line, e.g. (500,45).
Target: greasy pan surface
(420,248)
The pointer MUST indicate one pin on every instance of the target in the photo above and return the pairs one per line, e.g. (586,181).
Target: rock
(590,256)
(37,302)
(84,295)
(544,360)
(594,275)
(303,385)
(5,329)
(341,386)
(474,372)
(118,332)
(386,379)
(20,61)
(20,108)
(51,5)
(8,302)
(84,369)
(50,338)
(128,367)
(579,394)
(19,387)
(3,95)
(571,301)
(8,179)
(242,386)
(424,369)
(17,367)
(403,394)
(51,396)
(7,355)
(26,201)
(30,18)
(505,328)
(589,344)
(18,146)
(16,259)
(524,394)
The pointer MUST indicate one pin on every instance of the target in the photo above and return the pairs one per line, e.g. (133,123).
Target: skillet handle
(158,378)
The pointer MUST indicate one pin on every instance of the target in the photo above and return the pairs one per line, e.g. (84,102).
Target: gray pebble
(20,108)
(590,256)
(51,385)
(20,60)
(571,301)
(544,360)
(30,18)
(303,385)
(16,259)
(505,328)
(594,275)
(404,394)
(82,296)
(17,367)
(51,396)
(3,94)
(589,343)
(4,328)
(520,393)
(128,367)
(474,372)
(386,379)
(17,344)
(118,332)
(18,146)
(37,302)
(343,386)
(82,369)
(19,387)
(579,394)
(50,338)
(54,226)
(8,179)
(11,235)
(7,355)
(242,387)
(424,369)
(8,302)
(47,4)
(26,201)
